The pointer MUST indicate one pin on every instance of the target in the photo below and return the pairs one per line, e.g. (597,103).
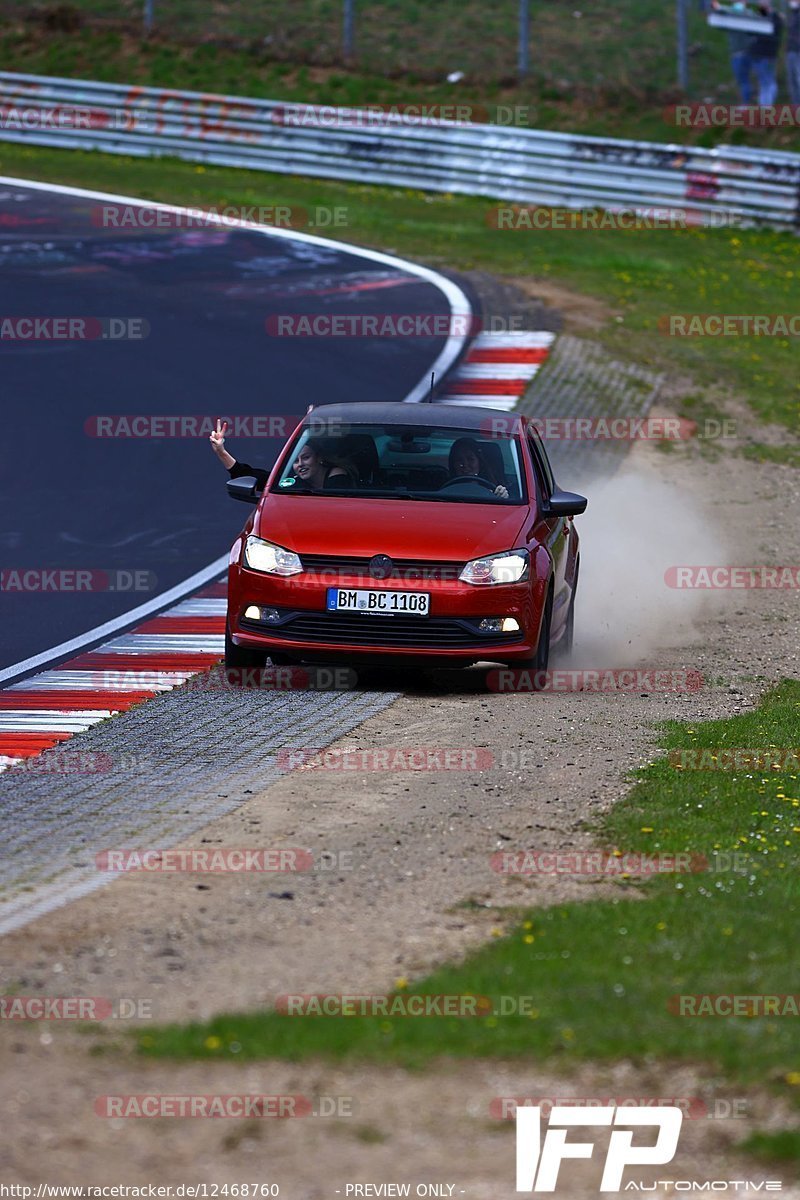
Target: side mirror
(244,488)
(564,504)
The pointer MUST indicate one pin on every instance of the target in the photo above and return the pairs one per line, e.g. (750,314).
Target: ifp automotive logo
(539,1160)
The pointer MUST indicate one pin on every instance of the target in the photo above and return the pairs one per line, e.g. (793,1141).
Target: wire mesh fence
(616,45)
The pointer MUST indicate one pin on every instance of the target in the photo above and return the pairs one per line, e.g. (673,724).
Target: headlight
(273,560)
(509,567)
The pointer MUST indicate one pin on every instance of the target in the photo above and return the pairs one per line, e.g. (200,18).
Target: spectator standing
(793,51)
(763,51)
(738,48)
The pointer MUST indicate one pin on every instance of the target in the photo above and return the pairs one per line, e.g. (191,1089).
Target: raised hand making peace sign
(217,440)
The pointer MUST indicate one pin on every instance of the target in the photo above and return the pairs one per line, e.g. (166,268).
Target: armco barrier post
(348,29)
(683,45)
(523,63)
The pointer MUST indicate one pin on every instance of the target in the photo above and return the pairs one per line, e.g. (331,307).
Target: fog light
(266,616)
(498,625)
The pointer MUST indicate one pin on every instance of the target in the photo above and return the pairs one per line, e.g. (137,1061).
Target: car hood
(400,528)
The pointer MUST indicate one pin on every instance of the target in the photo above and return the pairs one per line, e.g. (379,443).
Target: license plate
(387,603)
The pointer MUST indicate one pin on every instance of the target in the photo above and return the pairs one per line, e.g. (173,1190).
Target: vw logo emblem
(380,566)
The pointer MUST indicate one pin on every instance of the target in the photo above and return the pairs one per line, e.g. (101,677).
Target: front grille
(364,629)
(411,570)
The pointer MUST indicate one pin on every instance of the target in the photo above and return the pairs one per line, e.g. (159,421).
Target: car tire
(568,637)
(538,663)
(242,658)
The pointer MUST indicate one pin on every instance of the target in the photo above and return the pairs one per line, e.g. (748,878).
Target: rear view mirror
(244,488)
(564,504)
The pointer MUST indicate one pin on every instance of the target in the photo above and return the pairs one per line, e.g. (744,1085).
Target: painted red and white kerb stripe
(498,369)
(50,707)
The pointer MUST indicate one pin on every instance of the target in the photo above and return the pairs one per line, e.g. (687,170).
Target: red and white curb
(163,652)
(159,654)
(498,369)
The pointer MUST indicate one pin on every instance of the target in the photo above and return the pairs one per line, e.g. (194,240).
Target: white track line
(462,314)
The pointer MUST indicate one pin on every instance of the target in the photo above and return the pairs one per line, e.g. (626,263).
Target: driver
(466,459)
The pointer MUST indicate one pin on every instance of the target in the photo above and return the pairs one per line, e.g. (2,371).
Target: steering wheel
(479,479)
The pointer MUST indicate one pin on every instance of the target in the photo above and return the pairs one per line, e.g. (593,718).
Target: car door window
(544,477)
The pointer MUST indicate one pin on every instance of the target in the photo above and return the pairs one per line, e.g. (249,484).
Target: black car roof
(445,416)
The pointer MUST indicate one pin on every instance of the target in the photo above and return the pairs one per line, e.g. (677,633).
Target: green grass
(618,44)
(600,973)
(774,1147)
(609,72)
(645,275)
(788,456)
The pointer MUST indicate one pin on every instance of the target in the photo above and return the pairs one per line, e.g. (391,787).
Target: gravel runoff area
(410,848)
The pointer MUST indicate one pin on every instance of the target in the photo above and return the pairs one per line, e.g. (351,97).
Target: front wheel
(242,658)
(538,663)
(564,646)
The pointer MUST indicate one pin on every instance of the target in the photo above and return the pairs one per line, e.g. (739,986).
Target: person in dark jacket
(312,467)
(738,48)
(793,51)
(763,53)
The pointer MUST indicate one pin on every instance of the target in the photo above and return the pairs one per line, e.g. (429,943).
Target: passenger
(315,466)
(312,466)
(466,459)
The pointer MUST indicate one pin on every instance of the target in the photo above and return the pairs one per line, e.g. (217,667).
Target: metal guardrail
(526,166)
(740,22)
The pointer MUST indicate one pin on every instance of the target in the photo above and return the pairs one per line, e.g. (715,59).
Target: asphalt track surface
(144,513)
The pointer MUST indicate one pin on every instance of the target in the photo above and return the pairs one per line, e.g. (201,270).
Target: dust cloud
(635,528)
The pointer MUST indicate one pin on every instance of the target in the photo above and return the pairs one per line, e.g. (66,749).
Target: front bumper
(450,633)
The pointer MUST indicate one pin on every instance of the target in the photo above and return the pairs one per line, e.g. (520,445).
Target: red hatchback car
(432,534)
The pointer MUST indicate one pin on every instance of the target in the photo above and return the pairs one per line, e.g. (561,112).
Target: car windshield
(405,462)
